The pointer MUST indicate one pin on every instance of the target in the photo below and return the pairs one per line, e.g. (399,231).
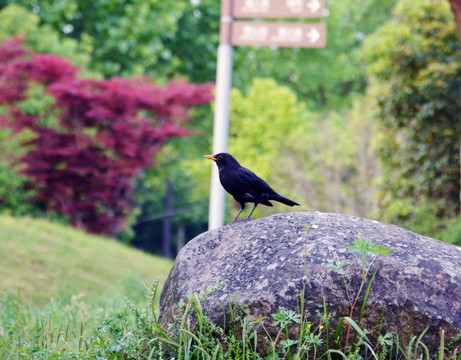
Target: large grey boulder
(263,261)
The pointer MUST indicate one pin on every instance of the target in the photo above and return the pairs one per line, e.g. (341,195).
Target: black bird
(244,185)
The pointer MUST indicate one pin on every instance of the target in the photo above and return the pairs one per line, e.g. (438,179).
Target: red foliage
(107,132)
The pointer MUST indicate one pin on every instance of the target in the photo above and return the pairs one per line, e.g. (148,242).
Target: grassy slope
(44,260)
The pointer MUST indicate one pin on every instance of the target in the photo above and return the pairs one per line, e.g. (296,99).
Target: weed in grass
(365,248)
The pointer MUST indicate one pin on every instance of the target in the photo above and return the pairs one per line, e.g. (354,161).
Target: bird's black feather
(244,185)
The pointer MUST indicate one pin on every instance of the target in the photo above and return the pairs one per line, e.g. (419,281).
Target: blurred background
(106,109)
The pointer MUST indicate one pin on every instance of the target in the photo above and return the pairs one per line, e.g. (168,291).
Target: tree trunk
(167,227)
(181,236)
(456,8)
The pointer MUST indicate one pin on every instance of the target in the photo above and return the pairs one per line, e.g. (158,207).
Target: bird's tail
(283,200)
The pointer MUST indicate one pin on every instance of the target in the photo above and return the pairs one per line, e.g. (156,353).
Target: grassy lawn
(42,260)
(62,291)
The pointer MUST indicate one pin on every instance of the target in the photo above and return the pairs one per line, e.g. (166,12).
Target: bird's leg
(242,207)
(254,207)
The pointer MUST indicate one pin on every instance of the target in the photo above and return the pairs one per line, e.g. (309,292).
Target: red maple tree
(106,133)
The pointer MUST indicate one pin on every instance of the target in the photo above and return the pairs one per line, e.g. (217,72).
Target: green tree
(332,166)
(194,44)
(415,76)
(126,37)
(14,192)
(15,20)
(261,119)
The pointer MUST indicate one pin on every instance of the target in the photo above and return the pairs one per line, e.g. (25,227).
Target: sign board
(278,8)
(248,33)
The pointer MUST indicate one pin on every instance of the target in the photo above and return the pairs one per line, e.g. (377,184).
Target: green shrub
(452,233)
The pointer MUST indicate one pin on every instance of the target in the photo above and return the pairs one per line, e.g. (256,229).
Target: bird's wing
(245,186)
(257,188)
(253,183)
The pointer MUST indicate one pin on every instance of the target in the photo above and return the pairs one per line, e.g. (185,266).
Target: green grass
(82,331)
(452,232)
(43,261)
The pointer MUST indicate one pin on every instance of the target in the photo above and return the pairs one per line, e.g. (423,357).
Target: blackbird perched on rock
(244,185)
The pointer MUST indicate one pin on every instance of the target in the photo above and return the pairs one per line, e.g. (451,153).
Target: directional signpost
(278,8)
(279,34)
(248,33)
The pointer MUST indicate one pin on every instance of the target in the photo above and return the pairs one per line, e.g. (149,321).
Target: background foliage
(125,38)
(15,21)
(415,75)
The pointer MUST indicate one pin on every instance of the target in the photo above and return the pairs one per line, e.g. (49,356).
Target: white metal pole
(221,115)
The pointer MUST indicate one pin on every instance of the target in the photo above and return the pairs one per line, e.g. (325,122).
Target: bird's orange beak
(211,157)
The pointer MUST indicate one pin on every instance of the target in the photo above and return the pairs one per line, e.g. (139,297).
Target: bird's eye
(219,157)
